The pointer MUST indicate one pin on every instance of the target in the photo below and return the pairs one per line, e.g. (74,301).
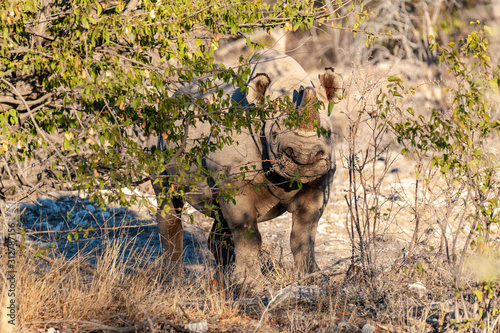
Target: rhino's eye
(328,134)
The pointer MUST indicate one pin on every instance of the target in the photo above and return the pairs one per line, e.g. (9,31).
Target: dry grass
(125,296)
(118,293)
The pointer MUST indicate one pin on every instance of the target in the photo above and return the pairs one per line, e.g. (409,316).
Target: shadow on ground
(72,226)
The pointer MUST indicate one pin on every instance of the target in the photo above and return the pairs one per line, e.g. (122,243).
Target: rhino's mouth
(290,167)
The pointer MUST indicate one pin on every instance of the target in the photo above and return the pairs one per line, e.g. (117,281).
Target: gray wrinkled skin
(279,154)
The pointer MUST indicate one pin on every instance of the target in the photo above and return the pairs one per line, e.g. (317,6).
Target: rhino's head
(303,151)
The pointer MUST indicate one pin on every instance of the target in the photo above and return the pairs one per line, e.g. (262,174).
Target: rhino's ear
(257,88)
(332,83)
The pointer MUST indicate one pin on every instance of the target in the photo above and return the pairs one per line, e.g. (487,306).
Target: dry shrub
(448,211)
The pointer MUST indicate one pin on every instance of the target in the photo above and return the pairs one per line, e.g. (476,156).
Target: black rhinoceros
(280,154)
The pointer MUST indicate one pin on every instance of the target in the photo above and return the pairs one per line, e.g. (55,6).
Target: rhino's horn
(307,110)
(257,88)
(332,83)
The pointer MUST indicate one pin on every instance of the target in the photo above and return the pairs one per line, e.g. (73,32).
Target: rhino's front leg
(302,238)
(220,242)
(241,218)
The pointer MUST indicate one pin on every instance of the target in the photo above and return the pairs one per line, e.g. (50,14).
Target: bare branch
(39,130)
(20,102)
(130,6)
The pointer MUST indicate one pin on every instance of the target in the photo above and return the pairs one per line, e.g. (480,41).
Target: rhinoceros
(279,155)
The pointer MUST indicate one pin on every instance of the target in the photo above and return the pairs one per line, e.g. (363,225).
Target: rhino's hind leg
(169,221)
(220,242)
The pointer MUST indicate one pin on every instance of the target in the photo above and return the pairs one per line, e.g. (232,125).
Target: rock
(49,205)
(296,294)
(80,217)
(72,213)
(418,289)
(343,326)
(52,330)
(37,244)
(368,328)
(446,306)
(197,327)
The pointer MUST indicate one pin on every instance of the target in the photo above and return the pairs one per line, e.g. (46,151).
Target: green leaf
(494,202)
(38,253)
(494,84)
(13,116)
(393,78)
(479,295)
(85,22)
(99,8)
(331,104)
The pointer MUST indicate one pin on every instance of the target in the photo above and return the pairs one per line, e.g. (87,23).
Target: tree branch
(130,6)
(10,100)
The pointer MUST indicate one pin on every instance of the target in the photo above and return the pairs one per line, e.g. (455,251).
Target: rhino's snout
(304,158)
